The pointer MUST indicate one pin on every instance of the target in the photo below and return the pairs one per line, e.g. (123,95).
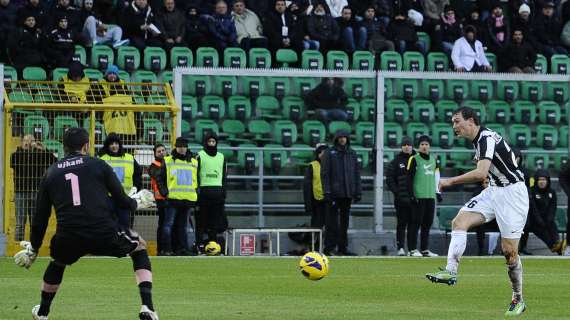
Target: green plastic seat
(213,107)
(353,109)
(157,100)
(508,90)
(357,88)
(128,58)
(416,129)
(303,85)
(365,134)
(407,89)
(519,136)
(202,127)
(248,159)
(481,90)
(563,130)
(61,124)
(423,111)
(80,55)
(390,61)
(532,91)
(181,57)
(462,160)
(285,132)
(388,89)
(393,134)
(525,112)
(559,64)
(235,58)
(445,216)
(37,125)
(234,130)
(363,60)
(293,108)
(433,90)
(274,160)
(93,74)
(144,76)
(286,57)
(478,107)
(253,87)
(189,108)
(457,90)
(260,129)
(34,74)
(492,58)
(198,86)
(312,60)
(154,59)
(314,132)
(541,64)
(549,112)
(546,136)
(557,92)
(413,61)
(337,60)
(229,154)
(368,110)
(239,107)
(21,96)
(537,159)
(445,110)
(279,87)
(362,156)
(10,74)
(442,135)
(225,86)
(388,157)
(125,76)
(437,61)
(335,126)
(57,73)
(102,56)
(55,147)
(499,112)
(153,132)
(207,57)
(560,159)
(302,156)
(166,77)
(259,58)
(268,107)
(498,128)
(561,219)
(423,36)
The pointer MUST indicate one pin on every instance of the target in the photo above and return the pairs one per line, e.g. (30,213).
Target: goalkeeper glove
(25,258)
(144,199)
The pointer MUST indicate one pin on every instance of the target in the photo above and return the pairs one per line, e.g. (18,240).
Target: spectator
(222,28)
(120,122)
(34,8)
(523,22)
(313,195)
(468,54)
(283,29)
(261,8)
(139,25)
(376,32)
(322,29)
(329,100)
(564,180)
(415,10)
(474,19)
(547,28)
(359,7)
(27,48)
(423,172)
(97,32)
(398,183)
(113,85)
(65,9)
(433,10)
(519,56)
(75,83)
(404,35)
(157,175)
(340,175)
(29,162)
(172,25)
(248,27)
(447,31)
(336,7)
(384,10)
(565,35)
(60,45)
(541,219)
(353,37)
(8,18)
(196,29)
(498,30)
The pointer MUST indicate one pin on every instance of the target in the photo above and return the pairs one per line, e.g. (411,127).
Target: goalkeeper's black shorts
(67,249)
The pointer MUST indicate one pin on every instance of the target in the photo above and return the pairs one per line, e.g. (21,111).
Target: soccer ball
(212,248)
(314,265)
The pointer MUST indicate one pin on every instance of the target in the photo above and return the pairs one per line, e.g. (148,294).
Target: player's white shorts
(509,205)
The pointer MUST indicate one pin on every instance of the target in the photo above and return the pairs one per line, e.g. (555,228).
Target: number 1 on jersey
(74,188)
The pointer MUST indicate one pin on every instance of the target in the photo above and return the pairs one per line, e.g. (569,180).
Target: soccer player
(78,186)
(505,200)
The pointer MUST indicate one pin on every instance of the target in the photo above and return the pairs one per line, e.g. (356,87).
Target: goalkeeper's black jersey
(78,187)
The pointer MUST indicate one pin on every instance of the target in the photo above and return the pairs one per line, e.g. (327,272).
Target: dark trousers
(175,222)
(248,43)
(424,216)
(210,219)
(160,210)
(336,224)
(318,213)
(403,224)
(548,233)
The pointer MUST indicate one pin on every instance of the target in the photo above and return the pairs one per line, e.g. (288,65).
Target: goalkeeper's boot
(442,276)
(515,309)
(147,314)
(35,315)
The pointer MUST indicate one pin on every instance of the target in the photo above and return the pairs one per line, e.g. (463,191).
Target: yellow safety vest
(124,168)
(317,184)
(77,89)
(182,178)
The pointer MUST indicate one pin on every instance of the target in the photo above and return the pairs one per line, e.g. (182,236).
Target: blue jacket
(223,29)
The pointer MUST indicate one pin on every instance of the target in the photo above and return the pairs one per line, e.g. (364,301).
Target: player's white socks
(516,275)
(456,249)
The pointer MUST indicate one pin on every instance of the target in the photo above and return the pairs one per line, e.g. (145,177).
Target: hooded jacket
(543,202)
(112,138)
(340,172)
(397,177)
(212,192)
(325,97)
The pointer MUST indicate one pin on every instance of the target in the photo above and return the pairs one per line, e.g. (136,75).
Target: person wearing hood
(249,29)
(542,214)
(222,28)
(61,45)
(313,195)
(115,91)
(340,176)
(34,8)
(139,27)
(196,29)
(157,174)
(468,53)
(27,48)
(403,32)
(211,219)
(398,183)
(498,30)
(423,172)
(283,29)
(182,183)
(65,9)
(448,30)
(322,28)
(127,170)
(328,100)
(75,83)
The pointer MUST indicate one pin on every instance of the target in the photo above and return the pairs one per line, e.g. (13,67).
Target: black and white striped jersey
(504,169)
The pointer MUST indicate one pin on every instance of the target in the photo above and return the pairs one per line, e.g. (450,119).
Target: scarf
(448,20)
(499,23)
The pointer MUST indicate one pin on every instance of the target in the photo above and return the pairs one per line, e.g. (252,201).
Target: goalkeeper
(78,187)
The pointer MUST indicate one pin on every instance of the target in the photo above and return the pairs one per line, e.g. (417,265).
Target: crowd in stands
(44,32)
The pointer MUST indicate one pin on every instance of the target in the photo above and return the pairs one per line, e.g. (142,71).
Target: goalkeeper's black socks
(145,289)
(47,298)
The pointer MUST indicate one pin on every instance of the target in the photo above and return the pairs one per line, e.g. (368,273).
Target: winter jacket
(247,25)
(61,47)
(8,18)
(340,172)
(28,48)
(402,30)
(492,32)
(322,28)
(547,30)
(324,97)
(543,202)
(434,8)
(463,55)
(397,178)
(223,29)
(72,14)
(527,28)
(159,175)
(29,167)
(518,55)
(134,18)
(343,24)
(375,29)
(39,12)
(172,24)
(448,32)
(196,27)
(273,29)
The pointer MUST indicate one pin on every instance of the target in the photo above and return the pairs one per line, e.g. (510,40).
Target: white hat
(524,8)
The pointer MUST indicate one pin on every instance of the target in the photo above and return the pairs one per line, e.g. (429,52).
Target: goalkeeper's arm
(41,216)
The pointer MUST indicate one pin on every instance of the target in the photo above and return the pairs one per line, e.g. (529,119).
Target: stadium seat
(313,132)
(462,161)
(235,58)
(337,60)
(365,134)
(10,74)
(507,90)
(303,85)
(563,143)
(397,110)
(559,64)
(546,136)
(457,90)
(560,159)
(499,112)
(357,88)
(202,127)
(157,100)
(93,74)
(189,108)
(437,61)
(101,57)
(426,39)
(481,90)
(199,86)
(248,159)
(362,156)
(392,134)
(413,61)
(407,89)
(279,87)
(557,92)
(181,57)
(537,159)
(368,110)
(125,76)
(492,58)
(388,157)
(519,136)
(293,108)
(54,146)
(498,128)
(442,135)
(562,219)
(253,87)
(549,112)
(312,60)
(274,160)
(302,156)
(388,88)
(166,77)
(445,110)
(34,74)
(433,89)
(229,154)
(532,91)
(234,129)
(128,58)
(259,58)
(44,95)
(57,73)
(285,132)
(444,216)
(213,107)
(363,60)
(286,57)
(335,126)
(80,55)
(154,59)
(260,130)
(423,111)
(61,124)
(390,61)
(143,76)
(21,96)
(525,112)
(207,57)
(225,86)
(36,125)
(239,107)
(541,64)
(478,107)
(153,131)
(353,110)
(416,129)
(268,107)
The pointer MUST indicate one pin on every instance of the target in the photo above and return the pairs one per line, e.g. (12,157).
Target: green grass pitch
(273,288)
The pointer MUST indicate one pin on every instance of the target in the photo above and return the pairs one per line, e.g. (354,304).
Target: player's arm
(477,175)
(116,189)
(40,218)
